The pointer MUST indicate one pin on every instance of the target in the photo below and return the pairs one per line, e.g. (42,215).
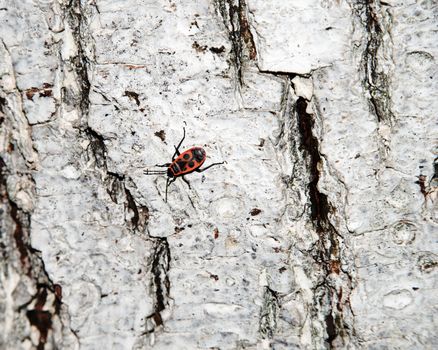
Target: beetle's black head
(199,154)
(169,173)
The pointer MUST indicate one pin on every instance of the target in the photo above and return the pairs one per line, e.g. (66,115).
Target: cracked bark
(80,61)
(234,15)
(327,252)
(44,308)
(377,80)
(136,216)
(266,252)
(330,298)
(160,283)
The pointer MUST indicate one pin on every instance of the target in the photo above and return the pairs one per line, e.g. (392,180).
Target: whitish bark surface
(320,230)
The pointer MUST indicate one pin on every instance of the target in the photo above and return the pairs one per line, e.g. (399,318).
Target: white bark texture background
(320,230)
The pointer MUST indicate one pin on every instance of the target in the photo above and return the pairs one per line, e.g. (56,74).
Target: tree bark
(317,233)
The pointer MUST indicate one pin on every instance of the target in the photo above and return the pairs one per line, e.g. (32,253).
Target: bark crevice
(116,184)
(43,308)
(327,251)
(376,80)
(135,216)
(160,283)
(234,14)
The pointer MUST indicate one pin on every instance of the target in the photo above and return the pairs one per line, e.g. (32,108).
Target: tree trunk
(317,233)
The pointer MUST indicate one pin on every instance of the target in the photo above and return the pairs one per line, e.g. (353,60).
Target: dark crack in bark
(2,105)
(131,208)
(160,283)
(434,180)
(327,252)
(40,313)
(428,187)
(319,206)
(21,235)
(136,216)
(235,17)
(97,150)
(115,187)
(80,62)
(376,80)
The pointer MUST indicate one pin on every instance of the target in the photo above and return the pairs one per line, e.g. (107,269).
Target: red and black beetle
(184,163)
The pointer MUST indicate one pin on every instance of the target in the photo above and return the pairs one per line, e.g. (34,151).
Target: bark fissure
(327,250)
(116,186)
(160,283)
(22,221)
(377,81)
(235,17)
(38,315)
(136,216)
(40,312)
(434,181)
(80,62)
(97,148)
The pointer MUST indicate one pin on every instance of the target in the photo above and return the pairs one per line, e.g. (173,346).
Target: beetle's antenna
(155,172)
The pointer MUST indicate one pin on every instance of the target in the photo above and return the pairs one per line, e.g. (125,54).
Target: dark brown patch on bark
(161,134)
(245,31)
(2,104)
(330,328)
(255,211)
(199,48)
(10,148)
(19,238)
(133,96)
(335,266)
(39,318)
(217,50)
(422,183)
(215,277)
(44,91)
(179,229)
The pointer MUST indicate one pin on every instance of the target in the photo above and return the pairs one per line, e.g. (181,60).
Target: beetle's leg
(186,181)
(167,186)
(166,165)
(179,145)
(201,170)
(177,153)
(168,182)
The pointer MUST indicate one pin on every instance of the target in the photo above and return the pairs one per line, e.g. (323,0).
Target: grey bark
(317,233)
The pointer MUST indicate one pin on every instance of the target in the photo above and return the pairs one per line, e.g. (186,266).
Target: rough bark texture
(318,233)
